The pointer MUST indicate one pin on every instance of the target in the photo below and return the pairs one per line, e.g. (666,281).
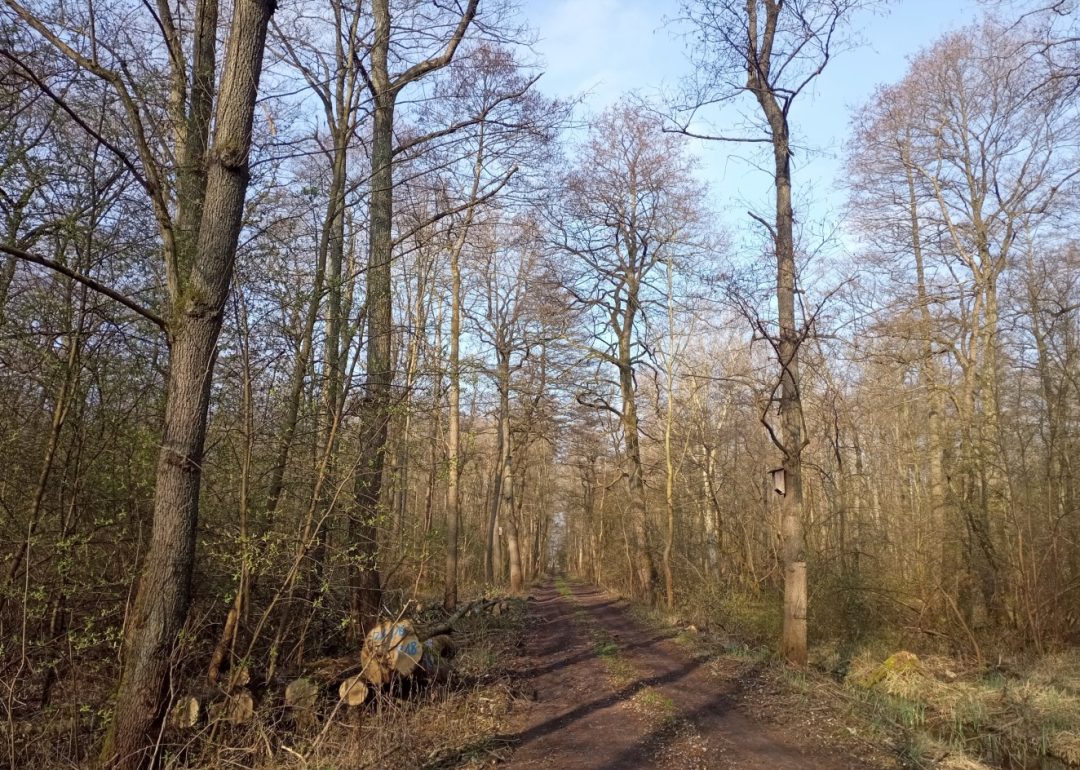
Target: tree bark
(643,559)
(928,374)
(669,464)
(506,482)
(375,409)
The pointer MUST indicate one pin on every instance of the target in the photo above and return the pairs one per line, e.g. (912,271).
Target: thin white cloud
(603,47)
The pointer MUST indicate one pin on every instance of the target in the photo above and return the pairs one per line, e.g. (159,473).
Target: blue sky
(605,48)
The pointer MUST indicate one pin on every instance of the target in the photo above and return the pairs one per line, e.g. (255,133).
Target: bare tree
(631,204)
(772,50)
(974,151)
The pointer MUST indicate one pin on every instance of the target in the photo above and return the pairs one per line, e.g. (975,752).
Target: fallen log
(434,667)
(392,650)
(442,645)
(435,662)
(396,649)
(447,627)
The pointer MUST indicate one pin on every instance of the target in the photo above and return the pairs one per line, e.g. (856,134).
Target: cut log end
(353,691)
(185,713)
(391,648)
(302,694)
(240,707)
(239,677)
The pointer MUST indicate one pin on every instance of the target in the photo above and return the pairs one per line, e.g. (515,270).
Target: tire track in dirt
(647,703)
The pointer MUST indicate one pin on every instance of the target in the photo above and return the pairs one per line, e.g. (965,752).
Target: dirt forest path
(611,694)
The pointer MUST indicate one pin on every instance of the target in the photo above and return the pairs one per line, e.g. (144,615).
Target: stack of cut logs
(394,650)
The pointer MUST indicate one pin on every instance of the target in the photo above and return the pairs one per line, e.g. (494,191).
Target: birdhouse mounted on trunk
(778,481)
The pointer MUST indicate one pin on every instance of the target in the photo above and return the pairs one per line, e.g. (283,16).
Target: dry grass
(1016,718)
(455,723)
(938,713)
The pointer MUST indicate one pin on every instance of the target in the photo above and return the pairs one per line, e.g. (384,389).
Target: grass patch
(1017,719)
(937,713)
(479,753)
(607,649)
(620,671)
(655,703)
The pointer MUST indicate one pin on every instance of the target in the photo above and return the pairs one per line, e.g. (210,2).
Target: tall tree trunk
(375,409)
(928,374)
(991,453)
(793,642)
(669,464)
(506,471)
(161,602)
(793,636)
(491,544)
(453,503)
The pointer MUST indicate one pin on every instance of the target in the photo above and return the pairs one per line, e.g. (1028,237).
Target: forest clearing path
(612,694)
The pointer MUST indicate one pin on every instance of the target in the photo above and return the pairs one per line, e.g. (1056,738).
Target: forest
(315,315)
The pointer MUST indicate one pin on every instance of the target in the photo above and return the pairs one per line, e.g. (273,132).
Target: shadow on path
(674,714)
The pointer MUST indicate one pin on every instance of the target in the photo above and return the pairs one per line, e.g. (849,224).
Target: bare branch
(87,281)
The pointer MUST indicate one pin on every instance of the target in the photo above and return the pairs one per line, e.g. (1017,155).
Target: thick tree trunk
(643,559)
(793,641)
(161,602)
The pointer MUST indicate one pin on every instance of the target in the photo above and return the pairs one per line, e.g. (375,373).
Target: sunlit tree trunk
(793,639)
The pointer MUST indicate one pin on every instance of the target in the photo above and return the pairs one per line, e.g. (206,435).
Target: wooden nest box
(777,475)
